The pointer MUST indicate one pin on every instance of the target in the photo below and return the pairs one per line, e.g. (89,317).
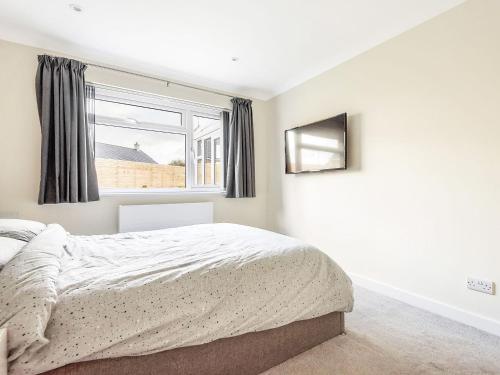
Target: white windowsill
(149,192)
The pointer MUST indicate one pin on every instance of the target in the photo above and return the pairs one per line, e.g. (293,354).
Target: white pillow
(8,248)
(23,230)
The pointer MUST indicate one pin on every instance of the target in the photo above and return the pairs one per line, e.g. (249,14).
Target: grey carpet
(385,336)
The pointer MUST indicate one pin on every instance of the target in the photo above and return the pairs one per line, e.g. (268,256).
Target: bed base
(248,354)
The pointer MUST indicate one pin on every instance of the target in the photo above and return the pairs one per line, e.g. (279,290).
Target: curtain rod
(168,82)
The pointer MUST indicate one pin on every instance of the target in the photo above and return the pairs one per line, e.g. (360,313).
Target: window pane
(110,112)
(136,158)
(217,148)
(208,151)
(198,149)
(204,126)
(208,161)
(205,130)
(218,164)
(199,172)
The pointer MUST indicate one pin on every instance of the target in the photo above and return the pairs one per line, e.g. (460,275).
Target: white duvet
(71,298)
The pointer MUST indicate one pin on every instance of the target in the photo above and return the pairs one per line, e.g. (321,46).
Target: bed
(212,299)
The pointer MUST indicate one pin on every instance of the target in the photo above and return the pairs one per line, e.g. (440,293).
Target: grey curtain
(240,171)
(225,140)
(68,172)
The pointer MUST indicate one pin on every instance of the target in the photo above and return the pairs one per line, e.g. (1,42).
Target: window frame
(213,135)
(187,109)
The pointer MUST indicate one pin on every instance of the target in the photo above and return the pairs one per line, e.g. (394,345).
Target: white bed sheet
(104,296)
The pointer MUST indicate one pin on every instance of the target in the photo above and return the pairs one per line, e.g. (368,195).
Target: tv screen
(318,146)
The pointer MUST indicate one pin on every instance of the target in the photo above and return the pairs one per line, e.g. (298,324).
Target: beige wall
(20,149)
(419,206)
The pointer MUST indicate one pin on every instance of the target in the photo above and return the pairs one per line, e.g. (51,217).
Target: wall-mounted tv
(319,146)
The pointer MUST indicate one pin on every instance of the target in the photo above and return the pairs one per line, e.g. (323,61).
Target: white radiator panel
(135,218)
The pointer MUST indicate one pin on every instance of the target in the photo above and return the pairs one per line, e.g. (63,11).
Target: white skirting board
(136,218)
(454,313)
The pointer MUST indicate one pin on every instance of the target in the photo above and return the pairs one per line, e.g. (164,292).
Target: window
(199,163)
(208,161)
(217,160)
(150,143)
(206,135)
(112,111)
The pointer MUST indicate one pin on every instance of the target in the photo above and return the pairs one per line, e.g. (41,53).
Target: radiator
(134,218)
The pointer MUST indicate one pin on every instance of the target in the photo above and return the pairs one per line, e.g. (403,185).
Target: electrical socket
(482,286)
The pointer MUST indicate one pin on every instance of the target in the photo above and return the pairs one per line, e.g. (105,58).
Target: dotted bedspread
(68,298)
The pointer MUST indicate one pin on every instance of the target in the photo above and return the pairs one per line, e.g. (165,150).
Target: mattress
(77,298)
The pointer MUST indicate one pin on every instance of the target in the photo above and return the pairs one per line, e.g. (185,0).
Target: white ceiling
(279,43)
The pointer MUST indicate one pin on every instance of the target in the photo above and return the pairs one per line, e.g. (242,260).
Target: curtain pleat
(68,172)
(225,145)
(240,171)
